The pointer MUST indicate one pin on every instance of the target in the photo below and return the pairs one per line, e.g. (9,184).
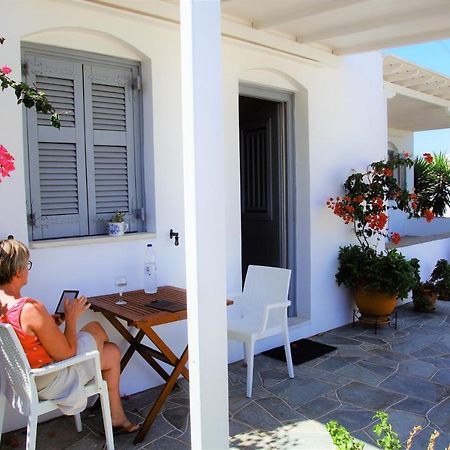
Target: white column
(204,200)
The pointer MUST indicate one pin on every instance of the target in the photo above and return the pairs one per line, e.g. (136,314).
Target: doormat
(302,350)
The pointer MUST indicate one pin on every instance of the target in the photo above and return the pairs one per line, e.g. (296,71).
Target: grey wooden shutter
(110,145)
(57,157)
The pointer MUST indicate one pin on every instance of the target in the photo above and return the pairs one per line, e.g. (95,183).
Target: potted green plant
(441,279)
(117,225)
(376,278)
(424,294)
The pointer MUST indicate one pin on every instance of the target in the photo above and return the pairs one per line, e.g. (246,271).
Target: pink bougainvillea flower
(6,163)
(428,157)
(406,154)
(395,238)
(6,70)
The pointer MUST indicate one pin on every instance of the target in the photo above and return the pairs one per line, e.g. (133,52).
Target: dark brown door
(261,182)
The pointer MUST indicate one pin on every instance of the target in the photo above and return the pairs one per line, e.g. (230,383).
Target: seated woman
(44,342)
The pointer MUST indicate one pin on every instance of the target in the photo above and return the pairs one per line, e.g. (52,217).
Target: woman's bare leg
(110,365)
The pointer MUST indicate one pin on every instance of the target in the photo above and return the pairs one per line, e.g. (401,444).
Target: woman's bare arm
(35,319)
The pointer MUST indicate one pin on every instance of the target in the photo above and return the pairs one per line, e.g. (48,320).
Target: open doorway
(265,124)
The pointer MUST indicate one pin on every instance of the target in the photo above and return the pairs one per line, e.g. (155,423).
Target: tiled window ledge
(407,241)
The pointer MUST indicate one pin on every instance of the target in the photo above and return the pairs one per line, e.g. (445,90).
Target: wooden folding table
(139,314)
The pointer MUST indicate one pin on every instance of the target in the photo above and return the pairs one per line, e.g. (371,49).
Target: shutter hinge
(140,214)
(32,219)
(25,69)
(137,83)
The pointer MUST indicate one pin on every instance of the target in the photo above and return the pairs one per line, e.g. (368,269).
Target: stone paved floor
(404,371)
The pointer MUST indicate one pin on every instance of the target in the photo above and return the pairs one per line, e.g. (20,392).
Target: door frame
(287,168)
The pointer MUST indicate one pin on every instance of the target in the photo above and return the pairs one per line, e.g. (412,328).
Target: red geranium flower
(428,157)
(395,238)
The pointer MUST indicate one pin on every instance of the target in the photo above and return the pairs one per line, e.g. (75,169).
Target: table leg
(162,397)
(165,350)
(133,340)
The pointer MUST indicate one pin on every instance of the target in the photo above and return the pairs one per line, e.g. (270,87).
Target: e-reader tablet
(67,293)
(166,305)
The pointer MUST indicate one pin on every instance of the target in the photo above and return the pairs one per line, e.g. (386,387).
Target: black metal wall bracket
(172,235)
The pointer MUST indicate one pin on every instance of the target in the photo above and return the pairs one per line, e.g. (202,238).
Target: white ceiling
(314,29)
(346,26)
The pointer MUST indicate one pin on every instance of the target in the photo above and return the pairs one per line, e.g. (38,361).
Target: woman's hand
(74,308)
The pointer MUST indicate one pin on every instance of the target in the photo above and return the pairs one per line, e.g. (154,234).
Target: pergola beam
(418,38)
(353,27)
(299,12)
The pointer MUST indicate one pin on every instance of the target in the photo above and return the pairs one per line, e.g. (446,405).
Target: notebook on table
(166,305)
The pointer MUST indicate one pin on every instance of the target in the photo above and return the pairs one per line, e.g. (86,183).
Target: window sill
(407,241)
(89,240)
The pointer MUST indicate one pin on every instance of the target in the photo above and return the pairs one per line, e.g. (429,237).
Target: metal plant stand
(375,320)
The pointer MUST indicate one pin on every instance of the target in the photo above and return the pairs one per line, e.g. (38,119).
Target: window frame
(90,58)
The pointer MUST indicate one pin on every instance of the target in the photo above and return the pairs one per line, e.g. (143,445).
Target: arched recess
(273,85)
(103,44)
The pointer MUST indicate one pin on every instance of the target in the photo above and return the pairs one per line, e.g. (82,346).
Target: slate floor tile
(414,405)
(318,374)
(442,376)
(300,390)
(439,415)
(351,419)
(279,409)
(177,417)
(391,355)
(372,398)
(257,417)
(358,373)
(404,421)
(334,363)
(167,443)
(417,368)
(318,407)
(306,434)
(376,369)
(421,440)
(416,387)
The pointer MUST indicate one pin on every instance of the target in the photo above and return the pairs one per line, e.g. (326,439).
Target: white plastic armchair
(16,371)
(264,306)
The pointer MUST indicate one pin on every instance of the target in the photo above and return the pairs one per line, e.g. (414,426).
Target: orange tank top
(36,354)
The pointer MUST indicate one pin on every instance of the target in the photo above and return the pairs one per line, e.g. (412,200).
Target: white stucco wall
(340,124)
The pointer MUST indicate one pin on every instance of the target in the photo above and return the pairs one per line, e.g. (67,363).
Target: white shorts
(60,385)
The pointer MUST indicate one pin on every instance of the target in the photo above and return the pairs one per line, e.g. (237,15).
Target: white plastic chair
(264,313)
(21,378)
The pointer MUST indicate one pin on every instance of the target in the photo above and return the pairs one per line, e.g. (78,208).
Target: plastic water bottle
(150,278)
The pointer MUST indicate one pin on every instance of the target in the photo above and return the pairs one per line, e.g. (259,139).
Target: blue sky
(435,56)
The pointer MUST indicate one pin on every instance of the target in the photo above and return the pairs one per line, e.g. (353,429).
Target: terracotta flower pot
(375,307)
(424,299)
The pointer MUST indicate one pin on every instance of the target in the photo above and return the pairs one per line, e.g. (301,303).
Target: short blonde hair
(14,256)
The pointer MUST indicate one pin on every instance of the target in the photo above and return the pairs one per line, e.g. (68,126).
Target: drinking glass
(120,282)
